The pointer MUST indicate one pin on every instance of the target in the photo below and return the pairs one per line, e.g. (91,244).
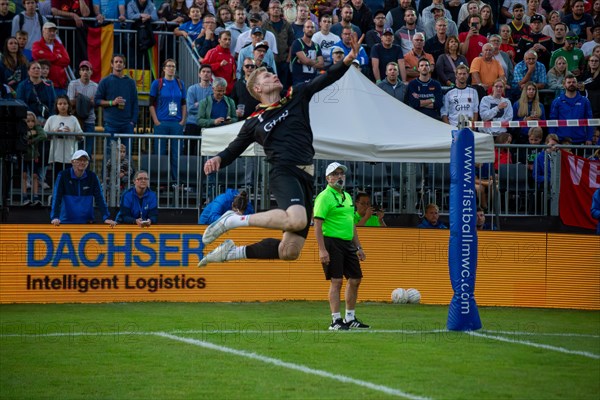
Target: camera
(376,208)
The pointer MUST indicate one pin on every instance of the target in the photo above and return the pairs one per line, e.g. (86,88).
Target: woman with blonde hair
(508,45)
(527,108)
(553,19)
(556,75)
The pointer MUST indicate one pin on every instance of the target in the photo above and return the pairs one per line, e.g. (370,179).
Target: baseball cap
(336,49)
(536,18)
(572,37)
(256,29)
(437,7)
(388,31)
(255,17)
(85,63)
(80,153)
(262,45)
(49,25)
(333,166)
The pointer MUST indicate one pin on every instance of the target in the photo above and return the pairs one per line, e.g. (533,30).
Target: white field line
(538,345)
(515,333)
(292,366)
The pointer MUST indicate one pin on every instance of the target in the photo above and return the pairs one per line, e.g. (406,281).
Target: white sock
(349,315)
(237,253)
(235,221)
(336,315)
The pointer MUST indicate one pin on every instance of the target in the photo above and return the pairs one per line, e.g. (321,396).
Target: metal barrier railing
(404,188)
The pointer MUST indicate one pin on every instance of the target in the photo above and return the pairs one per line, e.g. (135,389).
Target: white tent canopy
(354,120)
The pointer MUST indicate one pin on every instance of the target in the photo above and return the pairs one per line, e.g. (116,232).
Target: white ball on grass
(413,296)
(399,296)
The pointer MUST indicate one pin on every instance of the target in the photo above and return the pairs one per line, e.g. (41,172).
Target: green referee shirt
(337,212)
(372,221)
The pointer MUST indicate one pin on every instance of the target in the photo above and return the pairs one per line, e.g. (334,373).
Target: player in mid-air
(282,126)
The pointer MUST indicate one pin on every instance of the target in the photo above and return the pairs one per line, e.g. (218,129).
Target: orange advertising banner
(93,263)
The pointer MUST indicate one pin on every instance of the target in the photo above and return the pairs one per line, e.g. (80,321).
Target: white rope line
(285,331)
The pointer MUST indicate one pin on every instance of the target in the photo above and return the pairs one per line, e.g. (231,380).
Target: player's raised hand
(355,49)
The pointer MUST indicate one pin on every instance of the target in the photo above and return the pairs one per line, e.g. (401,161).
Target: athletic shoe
(356,324)
(217,228)
(338,325)
(26,202)
(219,254)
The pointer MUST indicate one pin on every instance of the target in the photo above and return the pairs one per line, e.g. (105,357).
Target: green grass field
(283,350)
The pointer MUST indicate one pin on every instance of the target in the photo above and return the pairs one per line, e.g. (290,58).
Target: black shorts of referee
(343,260)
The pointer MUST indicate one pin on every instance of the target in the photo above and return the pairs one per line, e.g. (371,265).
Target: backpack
(83,107)
(22,20)
(145,35)
(160,86)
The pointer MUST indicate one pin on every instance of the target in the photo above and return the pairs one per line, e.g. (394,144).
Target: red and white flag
(579,179)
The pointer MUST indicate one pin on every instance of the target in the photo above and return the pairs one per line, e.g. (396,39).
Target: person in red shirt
(48,48)
(503,155)
(471,42)
(221,61)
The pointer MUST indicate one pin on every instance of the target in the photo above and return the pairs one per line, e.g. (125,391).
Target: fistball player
(282,127)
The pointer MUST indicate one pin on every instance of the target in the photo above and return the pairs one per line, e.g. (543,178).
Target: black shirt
(283,128)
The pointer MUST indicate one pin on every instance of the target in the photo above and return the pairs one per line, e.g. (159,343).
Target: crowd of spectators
(484,60)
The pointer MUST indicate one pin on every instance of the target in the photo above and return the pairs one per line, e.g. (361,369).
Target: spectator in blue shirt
(117,94)
(431,218)
(595,210)
(75,191)
(572,105)
(230,200)
(139,204)
(192,28)
(541,169)
(529,70)
(168,111)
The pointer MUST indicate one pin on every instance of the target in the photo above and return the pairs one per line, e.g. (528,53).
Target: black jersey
(283,128)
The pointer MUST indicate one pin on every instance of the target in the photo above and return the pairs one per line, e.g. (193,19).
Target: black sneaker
(338,325)
(356,324)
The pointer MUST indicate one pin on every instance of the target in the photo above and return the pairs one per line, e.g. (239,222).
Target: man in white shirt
(245,39)
(587,47)
(325,39)
(461,100)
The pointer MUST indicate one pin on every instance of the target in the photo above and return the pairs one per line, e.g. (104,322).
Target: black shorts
(290,185)
(343,260)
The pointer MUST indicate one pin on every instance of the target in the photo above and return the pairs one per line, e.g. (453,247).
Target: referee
(339,247)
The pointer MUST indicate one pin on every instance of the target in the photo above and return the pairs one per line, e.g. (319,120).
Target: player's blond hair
(252,81)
